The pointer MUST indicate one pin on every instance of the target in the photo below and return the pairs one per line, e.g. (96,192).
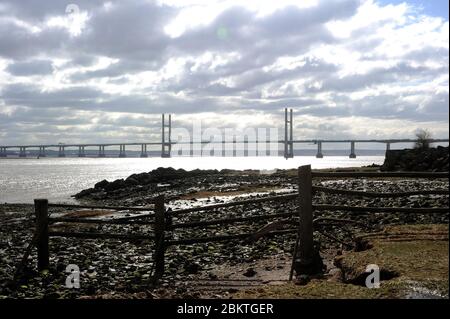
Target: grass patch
(415,256)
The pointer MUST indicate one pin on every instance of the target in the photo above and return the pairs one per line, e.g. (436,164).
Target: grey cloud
(37,11)
(19,43)
(32,96)
(353,82)
(131,30)
(36,67)
(133,33)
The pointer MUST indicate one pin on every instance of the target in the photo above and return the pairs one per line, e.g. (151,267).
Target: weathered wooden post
(307,260)
(160,226)
(41,211)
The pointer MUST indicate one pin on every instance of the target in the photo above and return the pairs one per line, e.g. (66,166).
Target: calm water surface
(22,180)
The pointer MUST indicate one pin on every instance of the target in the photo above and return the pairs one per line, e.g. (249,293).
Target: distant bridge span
(166,143)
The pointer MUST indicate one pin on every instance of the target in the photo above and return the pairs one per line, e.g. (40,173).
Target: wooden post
(41,211)
(305,259)
(160,225)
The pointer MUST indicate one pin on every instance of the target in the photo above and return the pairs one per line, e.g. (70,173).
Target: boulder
(159,175)
(101,185)
(117,184)
(85,192)
(431,159)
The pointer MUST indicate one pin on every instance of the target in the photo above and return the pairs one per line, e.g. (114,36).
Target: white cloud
(347,67)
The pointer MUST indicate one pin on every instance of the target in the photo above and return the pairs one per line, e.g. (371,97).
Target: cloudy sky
(97,71)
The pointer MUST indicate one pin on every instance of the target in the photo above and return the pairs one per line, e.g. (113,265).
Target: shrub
(423,139)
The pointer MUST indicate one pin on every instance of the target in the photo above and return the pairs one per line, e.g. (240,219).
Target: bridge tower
(166,142)
(288,134)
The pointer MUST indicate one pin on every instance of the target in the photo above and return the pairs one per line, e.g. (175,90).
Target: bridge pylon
(166,142)
(288,134)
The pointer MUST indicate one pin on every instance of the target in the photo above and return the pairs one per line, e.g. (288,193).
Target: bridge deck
(222,142)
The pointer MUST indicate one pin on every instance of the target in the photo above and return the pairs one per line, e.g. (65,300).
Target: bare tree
(423,139)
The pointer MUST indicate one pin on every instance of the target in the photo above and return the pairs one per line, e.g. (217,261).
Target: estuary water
(22,180)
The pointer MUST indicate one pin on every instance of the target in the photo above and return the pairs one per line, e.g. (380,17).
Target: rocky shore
(429,159)
(116,269)
(141,189)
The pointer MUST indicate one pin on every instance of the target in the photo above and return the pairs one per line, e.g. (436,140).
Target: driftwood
(269,228)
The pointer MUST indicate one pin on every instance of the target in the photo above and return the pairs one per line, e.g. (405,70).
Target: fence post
(160,225)
(305,261)
(41,211)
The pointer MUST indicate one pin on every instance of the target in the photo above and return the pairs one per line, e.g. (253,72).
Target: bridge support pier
(144,151)
(101,151)
(81,151)
(2,151)
(352,150)
(122,151)
(388,146)
(22,152)
(42,151)
(319,150)
(61,152)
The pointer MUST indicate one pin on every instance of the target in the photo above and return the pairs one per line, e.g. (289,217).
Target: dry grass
(411,258)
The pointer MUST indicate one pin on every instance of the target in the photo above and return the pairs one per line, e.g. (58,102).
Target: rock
(250,272)
(192,268)
(431,159)
(91,290)
(336,275)
(101,185)
(212,276)
(52,295)
(131,181)
(302,280)
(159,175)
(85,192)
(117,184)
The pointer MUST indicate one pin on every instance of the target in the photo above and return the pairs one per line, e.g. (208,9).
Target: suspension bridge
(166,144)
